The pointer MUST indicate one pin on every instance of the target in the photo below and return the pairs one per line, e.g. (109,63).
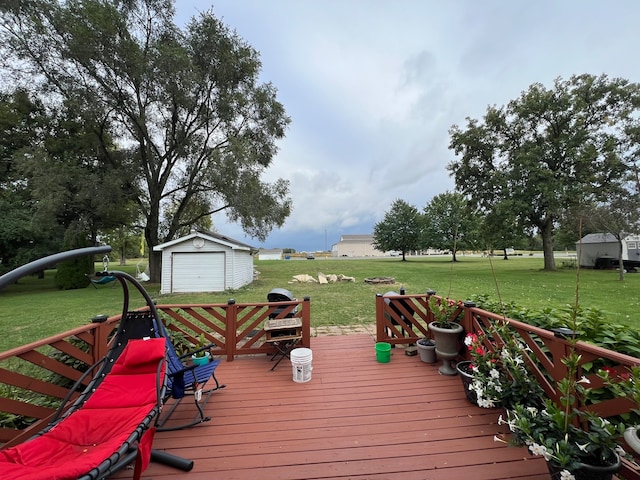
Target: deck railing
(403,319)
(35,378)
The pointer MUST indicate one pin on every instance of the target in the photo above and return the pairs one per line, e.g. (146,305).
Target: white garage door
(198,272)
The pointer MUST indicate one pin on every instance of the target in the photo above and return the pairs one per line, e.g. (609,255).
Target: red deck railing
(543,353)
(35,378)
(30,375)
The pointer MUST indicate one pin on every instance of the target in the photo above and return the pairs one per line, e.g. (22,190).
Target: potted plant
(576,444)
(571,452)
(201,354)
(497,374)
(446,331)
(482,377)
(626,385)
(427,350)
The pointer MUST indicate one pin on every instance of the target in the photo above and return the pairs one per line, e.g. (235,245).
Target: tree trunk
(151,236)
(547,245)
(620,260)
(155,266)
(155,258)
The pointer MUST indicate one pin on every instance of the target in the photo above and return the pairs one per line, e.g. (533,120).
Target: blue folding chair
(187,379)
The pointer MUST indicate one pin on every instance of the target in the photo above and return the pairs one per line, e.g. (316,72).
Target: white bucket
(301,363)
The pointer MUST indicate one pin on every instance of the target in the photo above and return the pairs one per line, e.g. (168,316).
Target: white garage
(204,262)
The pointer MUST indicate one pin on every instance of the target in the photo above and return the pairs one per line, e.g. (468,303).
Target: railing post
(100,338)
(430,318)
(231,329)
(467,320)
(381,335)
(306,322)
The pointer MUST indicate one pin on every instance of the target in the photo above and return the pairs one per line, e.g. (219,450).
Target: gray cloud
(373,87)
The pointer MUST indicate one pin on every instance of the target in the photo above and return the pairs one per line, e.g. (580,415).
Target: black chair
(115,415)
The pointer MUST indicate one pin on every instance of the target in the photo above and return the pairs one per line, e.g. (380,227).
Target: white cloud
(373,87)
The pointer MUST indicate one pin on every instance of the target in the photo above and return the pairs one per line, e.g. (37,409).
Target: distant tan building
(355,246)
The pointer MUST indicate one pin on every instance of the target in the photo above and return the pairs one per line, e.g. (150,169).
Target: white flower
(566,475)
(518,360)
(485,403)
(494,373)
(604,422)
(582,447)
(537,449)
(496,438)
(533,411)
(584,380)
(468,341)
(501,420)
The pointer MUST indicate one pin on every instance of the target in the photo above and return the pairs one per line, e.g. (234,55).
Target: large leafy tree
(56,190)
(500,229)
(547,151)
(187,103)
(450,224)
(73,183)
(20,123)
(400,229)
(618,215)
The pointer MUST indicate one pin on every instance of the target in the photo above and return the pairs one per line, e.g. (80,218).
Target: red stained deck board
(355,419)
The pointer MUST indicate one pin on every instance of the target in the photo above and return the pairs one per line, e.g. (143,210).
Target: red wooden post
(231,320)
(430,318)
(381,335)
(306,322)
(100,336)
(467,319)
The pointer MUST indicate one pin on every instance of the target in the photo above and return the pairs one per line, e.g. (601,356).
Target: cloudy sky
(373,86)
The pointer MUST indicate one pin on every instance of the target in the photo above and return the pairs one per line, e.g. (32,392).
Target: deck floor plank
(355,419)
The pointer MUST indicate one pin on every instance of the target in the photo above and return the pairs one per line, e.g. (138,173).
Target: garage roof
(211,236)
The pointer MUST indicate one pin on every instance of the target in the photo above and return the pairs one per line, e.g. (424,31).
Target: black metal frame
(127,453)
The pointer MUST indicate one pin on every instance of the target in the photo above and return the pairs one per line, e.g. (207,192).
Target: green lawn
(33,309)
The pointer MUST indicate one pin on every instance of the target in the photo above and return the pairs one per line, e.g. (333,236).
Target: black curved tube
(42,263)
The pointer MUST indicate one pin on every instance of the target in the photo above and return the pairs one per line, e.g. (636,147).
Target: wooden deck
(355,419)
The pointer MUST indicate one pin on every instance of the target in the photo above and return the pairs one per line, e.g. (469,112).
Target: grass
(34,309)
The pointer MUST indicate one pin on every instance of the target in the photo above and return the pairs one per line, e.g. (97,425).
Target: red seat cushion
(91,434)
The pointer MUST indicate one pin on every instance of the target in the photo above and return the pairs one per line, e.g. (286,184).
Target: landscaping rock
(380,280)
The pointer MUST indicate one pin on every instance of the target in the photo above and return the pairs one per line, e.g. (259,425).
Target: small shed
(598,248)
(204,262)
(270,254)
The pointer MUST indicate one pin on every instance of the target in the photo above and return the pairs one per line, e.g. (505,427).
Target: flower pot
(427,350)
(200,360)
(466,375)
(446,345)
(632,439)
(588,472)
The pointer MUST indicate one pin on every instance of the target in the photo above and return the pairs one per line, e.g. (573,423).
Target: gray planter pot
(427,350)
(446,345)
